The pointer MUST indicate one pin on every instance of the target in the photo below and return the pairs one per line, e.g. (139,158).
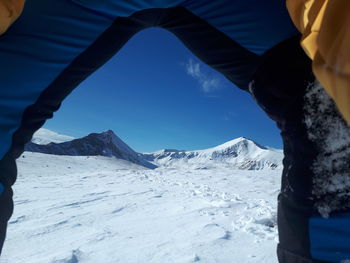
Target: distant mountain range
(240,153)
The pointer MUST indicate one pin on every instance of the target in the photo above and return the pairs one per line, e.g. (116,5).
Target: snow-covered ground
(97,209)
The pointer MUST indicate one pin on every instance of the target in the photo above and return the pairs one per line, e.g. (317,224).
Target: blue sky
(156,94)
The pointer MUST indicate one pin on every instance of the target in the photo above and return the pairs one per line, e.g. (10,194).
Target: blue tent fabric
(256,25)
(330,237)
(32,45)
(50,34)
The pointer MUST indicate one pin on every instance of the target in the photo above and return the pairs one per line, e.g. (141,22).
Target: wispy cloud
(229,116)
(207,81)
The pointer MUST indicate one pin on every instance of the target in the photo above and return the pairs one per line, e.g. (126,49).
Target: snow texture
(78,209)
(326,128)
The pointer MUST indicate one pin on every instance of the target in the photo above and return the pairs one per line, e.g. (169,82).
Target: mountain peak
(109,132)
(238,142)
(242,153)
(103,144)
(104,134)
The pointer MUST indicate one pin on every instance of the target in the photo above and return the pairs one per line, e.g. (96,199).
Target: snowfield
(78,209)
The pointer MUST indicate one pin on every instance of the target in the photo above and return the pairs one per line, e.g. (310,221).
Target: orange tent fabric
(325,25)
(10,10)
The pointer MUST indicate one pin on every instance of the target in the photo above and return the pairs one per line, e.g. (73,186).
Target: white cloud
(193,69)
(208,82)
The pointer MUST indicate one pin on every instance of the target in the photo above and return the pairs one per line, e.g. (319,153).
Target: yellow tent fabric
(325,25)
(10,10)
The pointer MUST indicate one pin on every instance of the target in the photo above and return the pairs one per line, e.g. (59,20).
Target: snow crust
(100,209)
(327,128)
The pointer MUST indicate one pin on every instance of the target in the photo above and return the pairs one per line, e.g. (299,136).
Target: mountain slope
(241,153)
(102,144)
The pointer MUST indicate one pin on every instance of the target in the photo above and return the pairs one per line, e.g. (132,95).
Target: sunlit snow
(71,209)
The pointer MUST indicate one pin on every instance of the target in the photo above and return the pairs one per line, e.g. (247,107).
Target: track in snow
(96,209)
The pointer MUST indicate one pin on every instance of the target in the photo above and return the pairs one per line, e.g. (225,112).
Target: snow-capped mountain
(240,153)
(102,144)
(45,136)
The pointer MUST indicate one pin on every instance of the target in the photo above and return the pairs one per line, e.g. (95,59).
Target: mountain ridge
(241,153)
(104,144)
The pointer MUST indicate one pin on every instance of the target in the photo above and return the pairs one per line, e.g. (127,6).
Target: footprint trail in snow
(98,209)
